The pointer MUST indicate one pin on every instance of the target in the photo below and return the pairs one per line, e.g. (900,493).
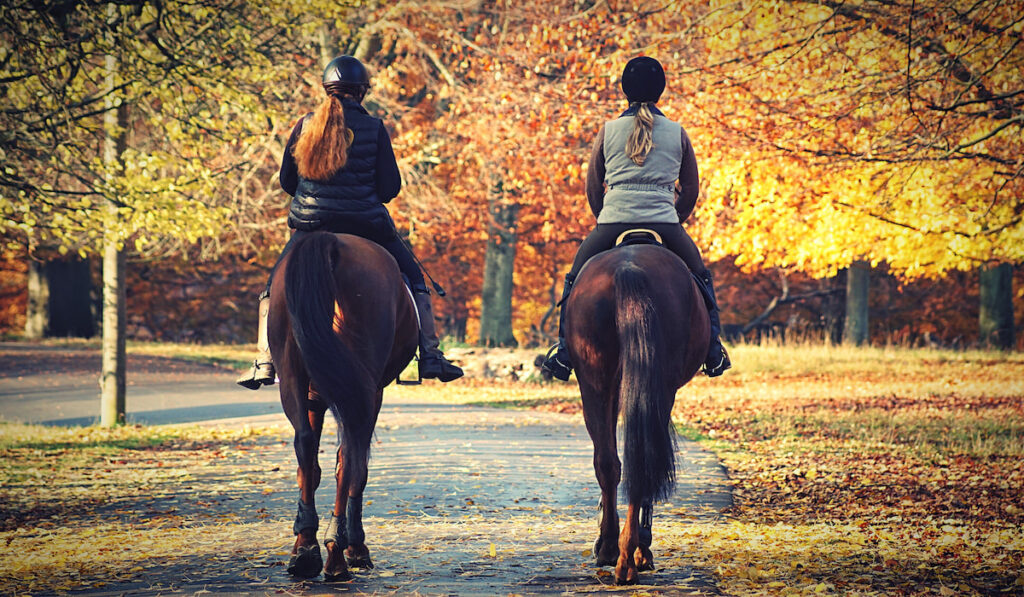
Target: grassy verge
(82,508)
(864,471)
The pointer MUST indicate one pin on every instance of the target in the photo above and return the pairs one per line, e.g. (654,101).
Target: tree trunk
(856,323)
(60,300)
(114,357)
(71,299)
(995,315)
(833,308)
(37,311)
(499,264)
(328,46)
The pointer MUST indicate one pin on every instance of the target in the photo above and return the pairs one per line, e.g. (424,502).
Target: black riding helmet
(346,75)
(643,80)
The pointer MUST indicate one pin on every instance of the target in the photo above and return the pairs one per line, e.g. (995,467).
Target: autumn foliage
(826,133)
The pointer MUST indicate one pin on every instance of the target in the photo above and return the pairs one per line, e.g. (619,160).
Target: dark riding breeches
(395,246)
(603,236)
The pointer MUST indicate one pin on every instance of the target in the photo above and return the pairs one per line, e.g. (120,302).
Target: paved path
(460,500)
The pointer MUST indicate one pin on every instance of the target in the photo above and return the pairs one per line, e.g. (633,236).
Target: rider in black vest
(340,169)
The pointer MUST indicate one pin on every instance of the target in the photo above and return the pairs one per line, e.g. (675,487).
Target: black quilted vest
(348,201)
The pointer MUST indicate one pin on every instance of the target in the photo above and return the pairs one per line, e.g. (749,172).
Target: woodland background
(872,146)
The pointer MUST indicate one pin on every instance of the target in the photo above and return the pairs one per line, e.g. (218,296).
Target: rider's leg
(601,238)
(262,371)
(679,242)
(557,361)
(432,363)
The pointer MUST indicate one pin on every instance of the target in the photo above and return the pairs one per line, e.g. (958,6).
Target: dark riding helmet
(346,75)
(643,80)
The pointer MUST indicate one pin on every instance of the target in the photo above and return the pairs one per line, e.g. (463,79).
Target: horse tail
(648,436)
(311,288)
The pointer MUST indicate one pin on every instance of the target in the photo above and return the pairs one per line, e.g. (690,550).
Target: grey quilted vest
(641,194)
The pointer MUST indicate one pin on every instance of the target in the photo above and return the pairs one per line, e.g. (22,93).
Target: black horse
(342,326)
(637,330)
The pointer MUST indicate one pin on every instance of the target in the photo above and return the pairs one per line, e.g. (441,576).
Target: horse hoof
(644,559)
(341,576)
(626,581)
(306,562)
(358,560)
(604,559)
(627,576)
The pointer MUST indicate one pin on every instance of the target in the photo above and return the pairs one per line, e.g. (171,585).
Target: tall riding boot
(717,360)
(262,372)
(557,363)
(433,364)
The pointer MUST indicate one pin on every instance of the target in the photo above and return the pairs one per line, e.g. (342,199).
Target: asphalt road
(60,386)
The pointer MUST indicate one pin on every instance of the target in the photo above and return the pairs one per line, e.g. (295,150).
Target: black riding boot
(262,371)
(433,364)
(557,363)
(718,360)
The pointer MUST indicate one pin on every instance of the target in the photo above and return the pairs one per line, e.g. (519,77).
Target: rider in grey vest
(642,174)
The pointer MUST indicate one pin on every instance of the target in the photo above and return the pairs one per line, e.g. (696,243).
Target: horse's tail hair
(648,435)
(337,375)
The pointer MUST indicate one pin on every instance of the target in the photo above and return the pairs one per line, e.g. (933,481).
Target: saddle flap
(638,236)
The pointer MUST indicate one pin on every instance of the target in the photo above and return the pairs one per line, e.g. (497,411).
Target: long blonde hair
(641,139)
(322,148)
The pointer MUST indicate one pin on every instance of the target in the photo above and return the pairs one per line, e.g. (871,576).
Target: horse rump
(311,288)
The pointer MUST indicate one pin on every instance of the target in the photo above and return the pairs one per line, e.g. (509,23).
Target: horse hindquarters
(312,281)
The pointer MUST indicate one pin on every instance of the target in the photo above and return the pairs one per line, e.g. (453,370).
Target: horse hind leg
(606,545)
(356,554)
(626,572)
(336,538)
(600,416)
(305,560)
(644,558)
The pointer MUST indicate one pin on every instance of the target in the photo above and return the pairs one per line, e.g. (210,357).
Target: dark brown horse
(342,326)
(637,330)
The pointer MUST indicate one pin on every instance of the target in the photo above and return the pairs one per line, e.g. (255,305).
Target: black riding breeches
(406,262)
(603,236)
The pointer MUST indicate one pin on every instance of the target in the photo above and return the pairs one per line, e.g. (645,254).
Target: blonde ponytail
(641,139)
(322,148)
